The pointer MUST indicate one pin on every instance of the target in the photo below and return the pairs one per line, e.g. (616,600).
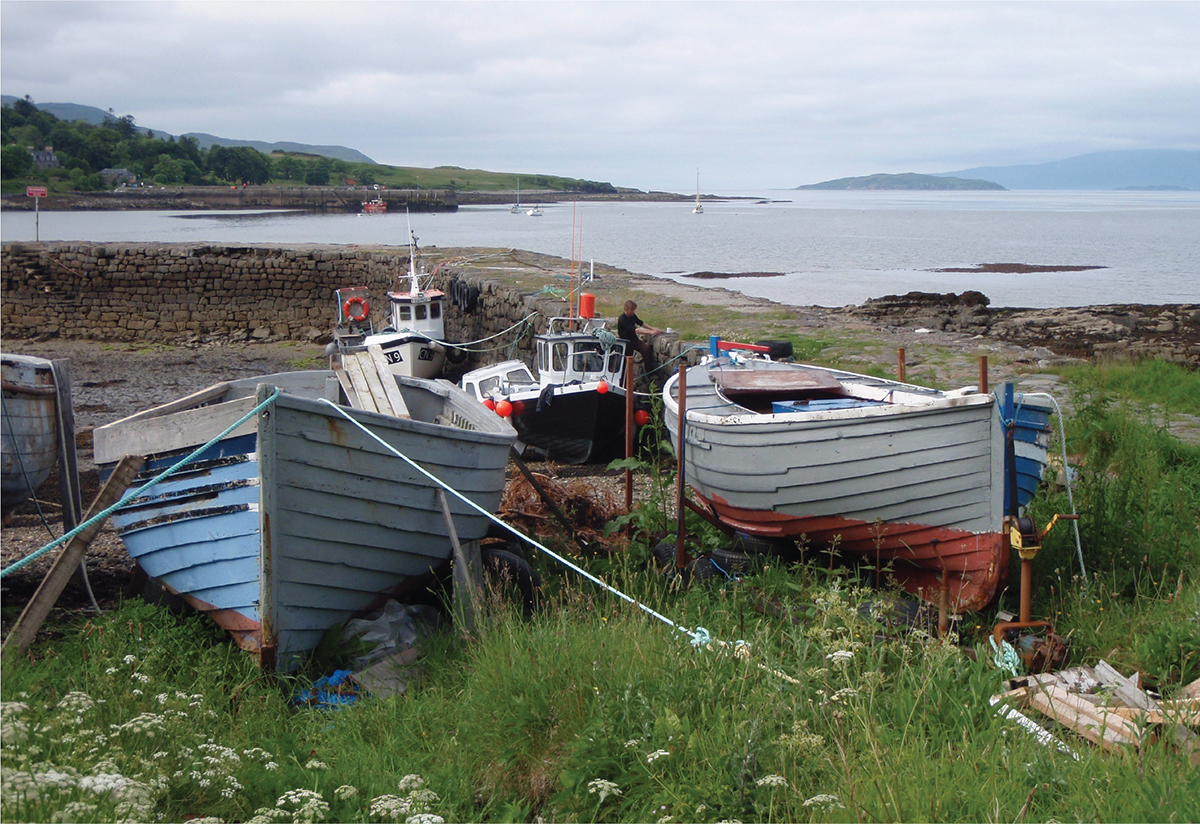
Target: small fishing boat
(374,206)
(920,478)
(574,410)
(29,426)
(536,211)
(298,518)
(413,340)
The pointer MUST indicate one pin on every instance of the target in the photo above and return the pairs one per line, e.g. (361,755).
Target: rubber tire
(732,561)
(779,349)
(454,354)
(782,548)
(702,570)
(508,570)
(663,557)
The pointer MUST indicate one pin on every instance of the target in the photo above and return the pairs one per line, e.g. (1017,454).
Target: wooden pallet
(369,384)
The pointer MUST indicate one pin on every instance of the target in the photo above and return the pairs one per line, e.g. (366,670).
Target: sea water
(821,248)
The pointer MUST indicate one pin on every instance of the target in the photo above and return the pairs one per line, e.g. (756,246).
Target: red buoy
(602,387)
(503,408)
(490,404)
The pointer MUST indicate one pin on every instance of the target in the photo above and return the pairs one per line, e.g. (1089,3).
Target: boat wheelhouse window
(487,385)
(558,357)
(435,311)
(518,376)
(405,312)
(616,361)
(588,358)
(420,309)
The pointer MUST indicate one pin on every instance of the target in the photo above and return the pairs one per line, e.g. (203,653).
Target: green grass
(594,710)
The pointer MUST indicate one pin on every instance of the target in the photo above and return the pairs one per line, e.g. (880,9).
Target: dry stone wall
(169,292)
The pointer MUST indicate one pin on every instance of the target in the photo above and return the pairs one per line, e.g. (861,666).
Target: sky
(646,95)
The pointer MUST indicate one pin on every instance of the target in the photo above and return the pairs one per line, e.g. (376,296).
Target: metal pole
(628,431)
(37,201)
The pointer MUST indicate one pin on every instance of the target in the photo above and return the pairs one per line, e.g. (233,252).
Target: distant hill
(908,181)
(1156,169)
(96,116)
(336,152)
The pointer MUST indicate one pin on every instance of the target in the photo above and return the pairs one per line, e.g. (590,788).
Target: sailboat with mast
(516,207)
(699,210)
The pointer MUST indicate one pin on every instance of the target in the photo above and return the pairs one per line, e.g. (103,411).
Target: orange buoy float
(504,408)
(602,387)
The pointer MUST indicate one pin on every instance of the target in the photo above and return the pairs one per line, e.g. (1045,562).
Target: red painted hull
(976,565)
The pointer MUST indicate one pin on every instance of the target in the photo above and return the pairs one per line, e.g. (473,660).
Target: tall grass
(594,710)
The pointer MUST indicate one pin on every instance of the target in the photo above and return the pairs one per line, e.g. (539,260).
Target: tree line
(84,149)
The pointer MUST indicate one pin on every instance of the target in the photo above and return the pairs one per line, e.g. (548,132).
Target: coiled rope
(137,493)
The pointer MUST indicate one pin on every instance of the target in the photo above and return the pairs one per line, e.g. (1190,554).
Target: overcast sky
(755,95)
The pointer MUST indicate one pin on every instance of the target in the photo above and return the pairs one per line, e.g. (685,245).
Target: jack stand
(1038,655)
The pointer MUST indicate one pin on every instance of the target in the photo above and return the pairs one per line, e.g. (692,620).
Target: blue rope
(137,493)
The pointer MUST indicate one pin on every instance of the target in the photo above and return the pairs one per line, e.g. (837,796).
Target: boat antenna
(413,287)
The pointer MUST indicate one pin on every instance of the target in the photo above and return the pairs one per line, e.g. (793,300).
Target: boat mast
(413,287)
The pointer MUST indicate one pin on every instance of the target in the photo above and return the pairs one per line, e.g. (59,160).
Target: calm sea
(832,248)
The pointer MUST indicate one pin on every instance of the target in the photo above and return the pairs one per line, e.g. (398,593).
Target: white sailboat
(536,211)
(699,210)
(516,207)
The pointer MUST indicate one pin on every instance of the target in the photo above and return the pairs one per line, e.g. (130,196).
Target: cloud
(640,94)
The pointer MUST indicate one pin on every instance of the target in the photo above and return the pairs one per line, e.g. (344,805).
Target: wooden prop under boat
(297,518)
(867,465)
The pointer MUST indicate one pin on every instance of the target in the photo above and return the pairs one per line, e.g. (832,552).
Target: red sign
(36,191)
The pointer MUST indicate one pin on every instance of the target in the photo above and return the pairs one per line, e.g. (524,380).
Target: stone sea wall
(167,292)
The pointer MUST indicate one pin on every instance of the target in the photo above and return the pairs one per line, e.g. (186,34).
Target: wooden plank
(212,393)
(399,407)
(1192,690)
(1072,717)
(379,396)
(1125,690)
(1110,724)
(466,594)
(35,612)
(344,381)
(189,427)
(362,393)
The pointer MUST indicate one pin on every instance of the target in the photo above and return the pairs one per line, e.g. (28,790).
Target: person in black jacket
(629,326)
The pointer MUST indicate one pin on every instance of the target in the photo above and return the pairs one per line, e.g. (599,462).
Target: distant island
(909,181)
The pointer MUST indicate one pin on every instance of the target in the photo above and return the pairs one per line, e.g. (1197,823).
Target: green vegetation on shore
(84,150)
(593,710)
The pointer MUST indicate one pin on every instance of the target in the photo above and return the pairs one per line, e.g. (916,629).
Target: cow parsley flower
(654,756)
(603,787)
(772,781)
(346,792)
(825,801)
(411,782)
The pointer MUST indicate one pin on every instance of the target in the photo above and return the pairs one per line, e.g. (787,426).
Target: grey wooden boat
(298,518)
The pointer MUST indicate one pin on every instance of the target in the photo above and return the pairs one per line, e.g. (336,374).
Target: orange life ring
(361,303)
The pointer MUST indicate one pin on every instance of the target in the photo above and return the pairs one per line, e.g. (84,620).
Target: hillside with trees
(79,156)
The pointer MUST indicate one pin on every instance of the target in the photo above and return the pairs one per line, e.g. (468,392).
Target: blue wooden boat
(298,518)
(28,426)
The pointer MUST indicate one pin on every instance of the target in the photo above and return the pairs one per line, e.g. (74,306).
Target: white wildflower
(110,670)
(654,756)
(314,764)
(390,807)
(421,800)
(631,743)
(603,787)
(140,677)
(772,781)
(13,732)
(306,805)
(424,818)
(270,815)
(74,811)
(411,782)
(129,659)
(841,656)
(828,802)
(346,792)
(76,702)
(8,708)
